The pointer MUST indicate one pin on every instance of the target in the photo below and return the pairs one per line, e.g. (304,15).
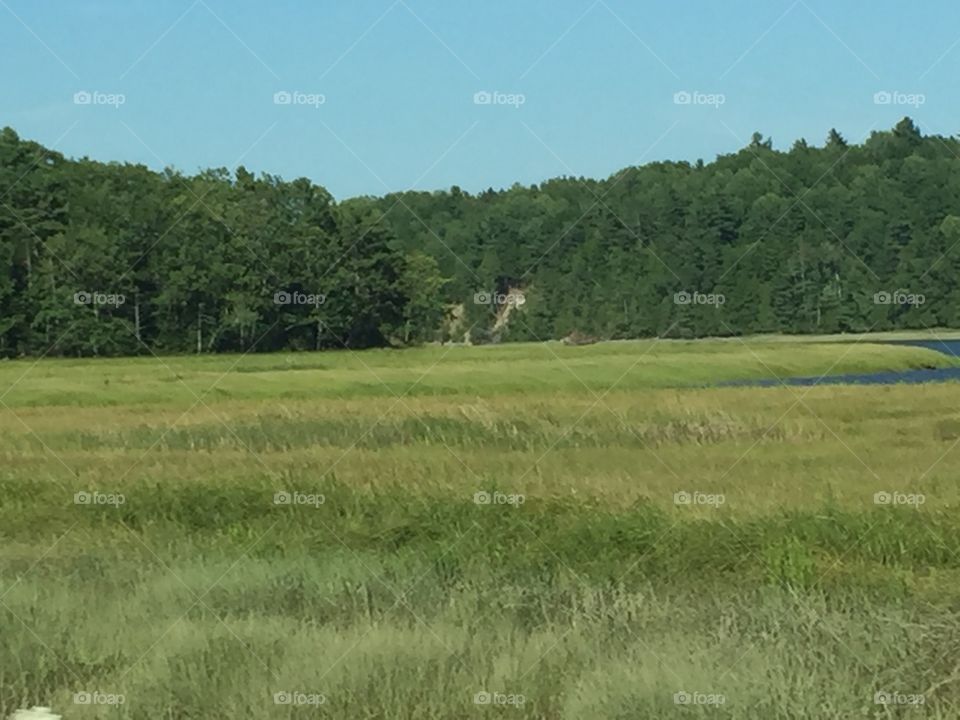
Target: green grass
(592,595)
(521,369)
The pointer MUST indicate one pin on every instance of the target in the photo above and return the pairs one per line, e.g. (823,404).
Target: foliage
(798,241)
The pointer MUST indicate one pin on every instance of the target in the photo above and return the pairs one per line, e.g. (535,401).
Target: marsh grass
(573,606)
(398,596)
(520,370)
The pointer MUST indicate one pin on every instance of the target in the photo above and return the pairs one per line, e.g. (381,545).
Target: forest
(117,259)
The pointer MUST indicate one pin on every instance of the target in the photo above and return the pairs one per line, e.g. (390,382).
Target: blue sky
(383,93)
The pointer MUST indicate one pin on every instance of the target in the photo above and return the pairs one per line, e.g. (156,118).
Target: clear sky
(382,92)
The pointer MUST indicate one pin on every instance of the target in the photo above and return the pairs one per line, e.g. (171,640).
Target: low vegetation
(522,532)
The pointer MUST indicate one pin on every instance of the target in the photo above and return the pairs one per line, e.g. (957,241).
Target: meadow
(517,531)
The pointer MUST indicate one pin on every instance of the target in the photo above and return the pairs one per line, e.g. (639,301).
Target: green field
(481,532)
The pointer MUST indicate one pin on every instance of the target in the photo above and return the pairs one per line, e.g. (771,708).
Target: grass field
(526,531)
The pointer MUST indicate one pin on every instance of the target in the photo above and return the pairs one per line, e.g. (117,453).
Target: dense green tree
(422,285)
(116,259)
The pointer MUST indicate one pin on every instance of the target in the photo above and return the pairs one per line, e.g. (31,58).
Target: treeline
(111,259)
(839,238)
(116,259)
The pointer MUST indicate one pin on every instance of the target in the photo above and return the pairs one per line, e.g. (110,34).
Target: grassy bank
(520,369)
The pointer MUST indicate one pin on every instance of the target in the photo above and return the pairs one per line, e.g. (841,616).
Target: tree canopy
(116,259)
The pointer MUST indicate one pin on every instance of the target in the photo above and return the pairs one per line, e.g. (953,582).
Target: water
(909,377)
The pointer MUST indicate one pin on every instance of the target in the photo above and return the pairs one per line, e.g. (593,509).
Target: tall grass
(478,550)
